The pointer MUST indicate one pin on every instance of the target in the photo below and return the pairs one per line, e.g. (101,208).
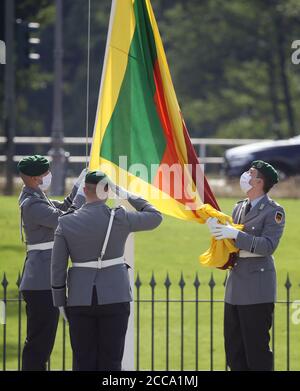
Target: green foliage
(230,63)
(220,54)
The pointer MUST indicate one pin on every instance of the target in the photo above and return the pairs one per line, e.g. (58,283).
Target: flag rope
(88,85)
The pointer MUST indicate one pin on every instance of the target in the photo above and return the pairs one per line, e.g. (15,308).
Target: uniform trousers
(247,337)
(98,334)
(42,321)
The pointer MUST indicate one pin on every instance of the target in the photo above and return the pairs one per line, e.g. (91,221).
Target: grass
(173,248)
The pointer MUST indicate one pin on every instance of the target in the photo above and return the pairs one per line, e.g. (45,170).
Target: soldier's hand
(211,223)
(81,177)
(63,314)
(221,231)
(118,190)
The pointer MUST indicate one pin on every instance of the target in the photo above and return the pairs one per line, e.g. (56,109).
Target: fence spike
(18,282)
(197,281)
(138,282)
(288,282)
(167,282)
(211,281)
(4,282)
(225,280)
(152,281)
(181,282)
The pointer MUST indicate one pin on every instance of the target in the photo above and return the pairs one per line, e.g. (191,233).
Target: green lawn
(174,248)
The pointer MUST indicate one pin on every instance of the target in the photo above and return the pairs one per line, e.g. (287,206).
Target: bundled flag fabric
(220,254)
(140,139)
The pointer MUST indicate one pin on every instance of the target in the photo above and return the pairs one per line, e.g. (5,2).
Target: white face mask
(46,182)
(244,182)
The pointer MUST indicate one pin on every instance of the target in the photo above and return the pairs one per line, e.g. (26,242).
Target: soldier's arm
(59,265)
(67,202)
(145,218)
(267,242)
(76,203)
(43,214)
(76,198)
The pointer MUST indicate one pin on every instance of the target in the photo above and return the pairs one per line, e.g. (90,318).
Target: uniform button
(262,270)
(235,264)
(253,227)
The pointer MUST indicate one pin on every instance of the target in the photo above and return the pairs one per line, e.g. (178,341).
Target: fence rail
(200,145)
(140,325)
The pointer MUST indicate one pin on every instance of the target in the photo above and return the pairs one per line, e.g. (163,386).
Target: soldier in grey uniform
(97,302)
(39,218)
(251,285)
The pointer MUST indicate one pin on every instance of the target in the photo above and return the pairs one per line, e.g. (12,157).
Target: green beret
(266,169)
(94,177)
(35,165)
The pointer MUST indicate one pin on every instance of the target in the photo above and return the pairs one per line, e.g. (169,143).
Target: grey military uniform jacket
(39,217)
(252,280)
(80,236)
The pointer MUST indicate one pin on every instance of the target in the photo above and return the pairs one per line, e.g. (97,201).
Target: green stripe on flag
(135,130)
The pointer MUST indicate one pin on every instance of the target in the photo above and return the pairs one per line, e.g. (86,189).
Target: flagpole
(128,357)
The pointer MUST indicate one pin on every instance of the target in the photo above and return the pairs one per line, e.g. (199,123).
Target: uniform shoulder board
(241,200)
(27,201)
(274,204)
(24,202)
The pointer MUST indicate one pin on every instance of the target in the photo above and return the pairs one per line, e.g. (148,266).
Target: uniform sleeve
(67,202)
(59,265)
(267,243)
(44,214)
(145,218)
(78,201)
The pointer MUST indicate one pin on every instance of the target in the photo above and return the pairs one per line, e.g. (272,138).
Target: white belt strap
(248,254)
(100,264)
(21,219)
(112,215)
(109,262)
(40,246)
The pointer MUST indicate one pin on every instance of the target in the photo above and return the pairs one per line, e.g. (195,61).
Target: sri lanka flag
(140,139)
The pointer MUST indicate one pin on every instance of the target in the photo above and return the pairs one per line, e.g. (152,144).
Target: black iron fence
(165,327)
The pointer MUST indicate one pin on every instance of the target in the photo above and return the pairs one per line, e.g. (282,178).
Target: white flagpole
(128,357)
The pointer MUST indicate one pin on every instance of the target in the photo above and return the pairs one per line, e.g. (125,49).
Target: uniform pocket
(260,268)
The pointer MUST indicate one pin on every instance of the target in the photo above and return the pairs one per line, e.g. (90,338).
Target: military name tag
(278,217)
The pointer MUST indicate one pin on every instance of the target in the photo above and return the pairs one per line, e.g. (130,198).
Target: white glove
(81,186)
(118,190)
(81,177)
(221,231)
(62,312)
(211,223)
